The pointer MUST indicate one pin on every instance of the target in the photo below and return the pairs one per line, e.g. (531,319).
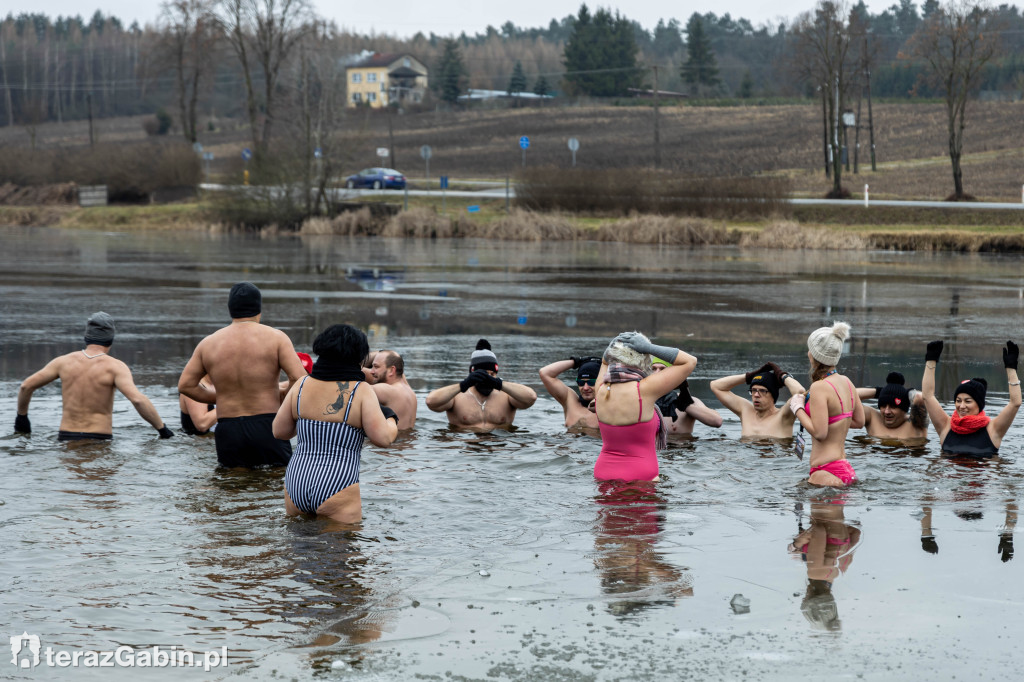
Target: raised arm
(722,388)
(704,414)
(552,384)
(443,399)
(940,420)
(519,396)
(1001,424)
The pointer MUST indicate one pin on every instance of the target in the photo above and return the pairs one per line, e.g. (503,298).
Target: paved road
(340,193)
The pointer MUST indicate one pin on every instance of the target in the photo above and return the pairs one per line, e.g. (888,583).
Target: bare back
(831,398)
(244,361)
(400,397)
(87,391)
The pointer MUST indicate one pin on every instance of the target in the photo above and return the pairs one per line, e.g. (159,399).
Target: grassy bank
(814,228)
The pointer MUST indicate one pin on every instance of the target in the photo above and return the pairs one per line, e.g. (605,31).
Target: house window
(356,97)
(406,63)
(357,78)
(371,78)
(371,97)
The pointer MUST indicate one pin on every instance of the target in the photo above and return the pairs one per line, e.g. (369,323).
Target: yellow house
(382,79)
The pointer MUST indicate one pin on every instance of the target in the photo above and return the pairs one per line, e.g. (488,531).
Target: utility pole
(871,124)
(92,139)
(657,132)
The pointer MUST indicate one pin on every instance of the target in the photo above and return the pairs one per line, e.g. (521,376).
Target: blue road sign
(246,154)
(473,209)
(524,142)
(444,182)
(521,319)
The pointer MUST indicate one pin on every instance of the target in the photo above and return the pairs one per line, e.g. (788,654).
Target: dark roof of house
(377,59)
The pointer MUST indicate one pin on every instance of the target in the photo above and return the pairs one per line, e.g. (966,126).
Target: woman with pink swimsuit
(831,408)
(630,423)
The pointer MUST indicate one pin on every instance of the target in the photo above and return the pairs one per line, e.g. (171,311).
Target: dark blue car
(376,178)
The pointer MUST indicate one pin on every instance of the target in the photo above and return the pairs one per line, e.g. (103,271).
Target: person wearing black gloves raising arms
(759,417)
(968,431)
(88,378)
(680,410)
(329,413)
(578,407)
(482,400)
(901,413)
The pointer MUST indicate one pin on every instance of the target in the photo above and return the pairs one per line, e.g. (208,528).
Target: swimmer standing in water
(632,428)
(577,407)
(482,400)
(88,378)
(759,417)
(830,408)
(680,411)
(901,414)
(968,431)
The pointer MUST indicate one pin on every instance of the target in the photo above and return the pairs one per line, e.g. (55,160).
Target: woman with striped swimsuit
(329,413)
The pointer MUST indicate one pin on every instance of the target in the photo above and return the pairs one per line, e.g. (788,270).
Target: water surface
(497,556)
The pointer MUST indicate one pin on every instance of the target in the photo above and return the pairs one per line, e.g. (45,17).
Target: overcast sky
(448,17)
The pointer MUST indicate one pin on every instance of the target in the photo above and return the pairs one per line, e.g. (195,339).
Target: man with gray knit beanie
(88,378)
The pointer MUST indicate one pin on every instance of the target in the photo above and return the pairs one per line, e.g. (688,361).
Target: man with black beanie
(577,407)
(244,360)
(759,417)
(901,414)
(88,378)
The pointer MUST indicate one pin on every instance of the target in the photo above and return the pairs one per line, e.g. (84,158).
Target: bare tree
(822,53)
(263,34)
(956,41)
(188,39)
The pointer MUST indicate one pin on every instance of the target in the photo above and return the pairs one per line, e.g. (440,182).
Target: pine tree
(600,55)
(747,85)
(701,68)
(517,83)
(451,72)
(541,87)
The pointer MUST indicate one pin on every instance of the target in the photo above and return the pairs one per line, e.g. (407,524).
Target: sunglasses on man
(588,382)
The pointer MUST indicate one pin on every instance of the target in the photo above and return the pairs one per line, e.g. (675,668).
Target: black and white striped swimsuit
(326,457)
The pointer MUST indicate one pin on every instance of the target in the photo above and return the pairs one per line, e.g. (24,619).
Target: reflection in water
(630,519)
(375,279)
(826,548)
(1004,548)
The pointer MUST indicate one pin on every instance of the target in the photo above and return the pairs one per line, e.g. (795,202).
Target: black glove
(22,424)
(933,352)
(878,391)
(766,368)
(473,379)
(684,399)
(165,432)
(929,545)
(1010,355)
(667,405)
(389,413)
(1006,546)
(576,362)
(494,381)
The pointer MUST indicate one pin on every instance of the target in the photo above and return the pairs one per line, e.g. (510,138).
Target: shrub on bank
(620,191)
(130,172)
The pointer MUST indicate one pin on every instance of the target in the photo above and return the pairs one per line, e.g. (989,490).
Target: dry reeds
(652,229)
(624,191)
(791,235)
(349,223)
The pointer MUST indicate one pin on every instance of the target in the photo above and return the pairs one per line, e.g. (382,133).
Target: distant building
(476,95)
(382,79)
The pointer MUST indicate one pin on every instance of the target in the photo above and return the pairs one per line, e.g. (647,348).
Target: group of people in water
(635,395)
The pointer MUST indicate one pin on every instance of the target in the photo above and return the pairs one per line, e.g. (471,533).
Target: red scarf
(968,424)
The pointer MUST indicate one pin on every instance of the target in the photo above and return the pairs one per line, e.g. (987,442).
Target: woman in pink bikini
(832,407)
(631,425)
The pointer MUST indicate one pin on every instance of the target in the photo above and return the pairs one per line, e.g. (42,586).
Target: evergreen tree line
(68,68)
